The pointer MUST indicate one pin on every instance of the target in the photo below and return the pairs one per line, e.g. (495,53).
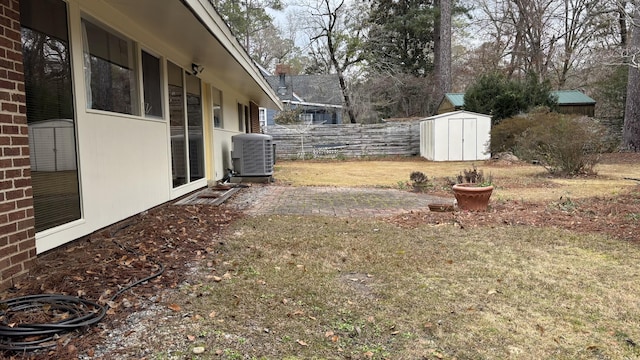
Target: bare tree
(550,38)
(337,33)
(271,48)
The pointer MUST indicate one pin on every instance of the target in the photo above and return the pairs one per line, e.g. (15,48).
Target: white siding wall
(427,139)
(124,161)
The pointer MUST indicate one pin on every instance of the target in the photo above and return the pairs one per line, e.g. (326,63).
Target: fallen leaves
(175,307)
(332,336)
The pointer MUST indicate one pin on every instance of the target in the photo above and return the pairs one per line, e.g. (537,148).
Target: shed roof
(565,97)
(573,97)
(456,99)
(456,113)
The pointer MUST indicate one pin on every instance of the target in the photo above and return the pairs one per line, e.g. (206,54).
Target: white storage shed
(455,136)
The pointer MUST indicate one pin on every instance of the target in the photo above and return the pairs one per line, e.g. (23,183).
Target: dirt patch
(360,283)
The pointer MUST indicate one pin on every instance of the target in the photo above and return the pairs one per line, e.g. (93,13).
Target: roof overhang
(196,30)
(312,104)
(576,103)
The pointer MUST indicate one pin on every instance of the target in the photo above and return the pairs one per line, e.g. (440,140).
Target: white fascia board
(312,104)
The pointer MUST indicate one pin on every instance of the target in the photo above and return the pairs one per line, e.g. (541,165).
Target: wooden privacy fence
(345,140)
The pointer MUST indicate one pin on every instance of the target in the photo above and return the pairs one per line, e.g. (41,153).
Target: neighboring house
(111,108)
(318,97)
(569,102)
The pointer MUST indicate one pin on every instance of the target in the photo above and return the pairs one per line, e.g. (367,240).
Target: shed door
(455,139)
(469,141)
(462,139)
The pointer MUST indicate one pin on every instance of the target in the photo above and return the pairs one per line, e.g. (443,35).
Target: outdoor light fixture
(196,69)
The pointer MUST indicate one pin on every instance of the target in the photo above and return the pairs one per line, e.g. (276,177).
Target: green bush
(496,95)
(562,144)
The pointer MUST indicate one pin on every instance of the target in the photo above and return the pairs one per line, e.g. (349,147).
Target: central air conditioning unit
(252,154)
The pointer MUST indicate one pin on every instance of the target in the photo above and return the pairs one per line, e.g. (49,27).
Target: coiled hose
(69,313)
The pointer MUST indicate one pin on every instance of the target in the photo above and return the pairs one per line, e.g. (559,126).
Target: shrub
(505,134)
(288,116)
(496,95)
(562,144)
(418,177)
(419,181)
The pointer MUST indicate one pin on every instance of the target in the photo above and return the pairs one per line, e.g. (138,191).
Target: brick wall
(17,234)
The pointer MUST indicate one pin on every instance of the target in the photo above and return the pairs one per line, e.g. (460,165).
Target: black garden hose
(76,313)
(68,313)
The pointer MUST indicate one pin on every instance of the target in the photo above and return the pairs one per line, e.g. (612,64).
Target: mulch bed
(618,217)
(97,266)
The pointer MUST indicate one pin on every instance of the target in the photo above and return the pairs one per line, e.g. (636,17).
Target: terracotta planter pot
(471,197)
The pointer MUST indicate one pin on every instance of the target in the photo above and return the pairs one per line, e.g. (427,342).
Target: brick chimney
(282,70)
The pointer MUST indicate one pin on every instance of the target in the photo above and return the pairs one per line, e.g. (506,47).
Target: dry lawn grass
(330,288)
(513,182)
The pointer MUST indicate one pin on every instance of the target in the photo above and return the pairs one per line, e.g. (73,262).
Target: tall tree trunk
(347,98)
(442,49)
(622,22)
(631,130)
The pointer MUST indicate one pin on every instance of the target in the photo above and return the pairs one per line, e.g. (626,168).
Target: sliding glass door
(186,127)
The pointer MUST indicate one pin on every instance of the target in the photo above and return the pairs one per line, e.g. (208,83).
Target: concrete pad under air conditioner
(251,179)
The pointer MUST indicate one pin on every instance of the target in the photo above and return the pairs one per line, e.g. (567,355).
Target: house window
(152,85)
(306,118)
(195,128)
(109,70)
(50,112)
(177,122)
(263,117)
(217,107)
(185,119)
(247,120)
(240,117)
